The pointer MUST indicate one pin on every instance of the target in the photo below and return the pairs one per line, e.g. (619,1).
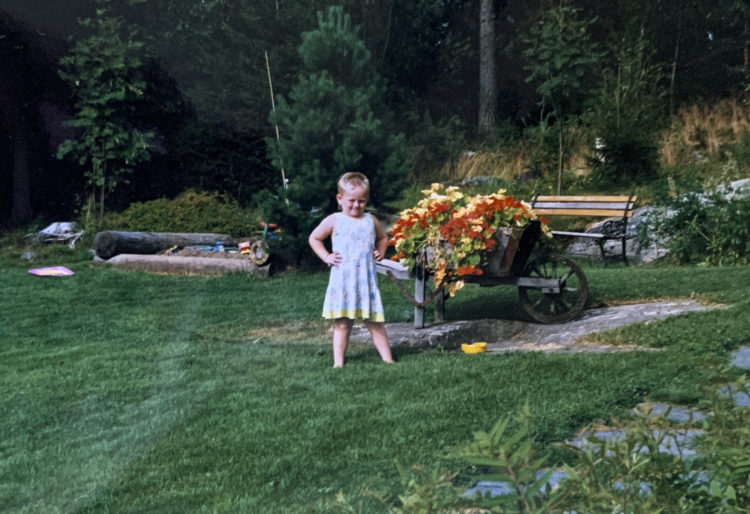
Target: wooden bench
(591,206)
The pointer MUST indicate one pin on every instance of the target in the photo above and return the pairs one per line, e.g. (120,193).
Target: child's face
(353,201)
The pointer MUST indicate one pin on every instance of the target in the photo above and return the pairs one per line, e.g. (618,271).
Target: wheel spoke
(555,307)
(565,304)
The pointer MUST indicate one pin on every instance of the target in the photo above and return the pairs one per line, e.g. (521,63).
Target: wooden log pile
(148,251)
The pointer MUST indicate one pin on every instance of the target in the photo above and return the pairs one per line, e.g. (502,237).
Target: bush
(190,212)
(702,228)
(291,247)
(624,160)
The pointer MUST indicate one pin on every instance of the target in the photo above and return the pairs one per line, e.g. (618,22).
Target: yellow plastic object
(474,347)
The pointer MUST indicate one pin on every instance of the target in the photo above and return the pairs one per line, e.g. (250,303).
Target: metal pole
(276,126)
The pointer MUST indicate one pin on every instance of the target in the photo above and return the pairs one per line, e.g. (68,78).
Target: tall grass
(124,391)
(698,131)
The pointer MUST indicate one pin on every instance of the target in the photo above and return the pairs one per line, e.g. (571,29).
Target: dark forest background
(449,76)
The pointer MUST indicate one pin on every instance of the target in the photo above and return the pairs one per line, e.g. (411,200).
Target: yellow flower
(455,286)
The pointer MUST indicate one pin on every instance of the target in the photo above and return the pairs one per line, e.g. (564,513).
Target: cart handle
(435,293)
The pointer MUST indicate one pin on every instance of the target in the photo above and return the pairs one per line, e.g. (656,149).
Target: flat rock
(741,358)
(513,335)
(678,442)
(670,412)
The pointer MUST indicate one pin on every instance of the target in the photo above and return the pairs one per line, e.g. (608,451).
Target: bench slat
(586,198)
(583,212)
(583,205)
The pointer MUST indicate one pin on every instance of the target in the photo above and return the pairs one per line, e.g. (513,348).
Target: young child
(358,241)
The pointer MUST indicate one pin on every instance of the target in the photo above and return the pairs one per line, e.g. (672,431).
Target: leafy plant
(710,228)
(509,457)
(627,113)
(560,56)
(645,465)
(104,73)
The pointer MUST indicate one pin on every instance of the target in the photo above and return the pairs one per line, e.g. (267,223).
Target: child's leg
(342,327)
(380,339)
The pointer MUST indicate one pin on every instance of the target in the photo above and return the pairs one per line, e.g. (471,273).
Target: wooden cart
(552,288)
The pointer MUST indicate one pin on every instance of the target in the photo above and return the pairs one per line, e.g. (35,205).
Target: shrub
(190,212)
(702,228)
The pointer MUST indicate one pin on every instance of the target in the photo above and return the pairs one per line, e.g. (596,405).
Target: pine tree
(335,120)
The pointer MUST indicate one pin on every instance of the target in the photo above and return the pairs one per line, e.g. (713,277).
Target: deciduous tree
(103,71)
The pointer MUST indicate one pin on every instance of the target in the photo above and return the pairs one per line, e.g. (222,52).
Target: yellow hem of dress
(357,314)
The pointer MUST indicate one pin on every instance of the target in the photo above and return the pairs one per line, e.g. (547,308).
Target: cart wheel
(555,307)
(259,252)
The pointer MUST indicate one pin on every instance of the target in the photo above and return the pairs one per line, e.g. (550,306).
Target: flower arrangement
(456,231)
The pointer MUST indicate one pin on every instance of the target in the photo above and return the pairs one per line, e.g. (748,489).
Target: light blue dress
(353,285)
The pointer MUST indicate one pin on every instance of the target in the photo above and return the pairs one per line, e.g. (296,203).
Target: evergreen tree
(335,120)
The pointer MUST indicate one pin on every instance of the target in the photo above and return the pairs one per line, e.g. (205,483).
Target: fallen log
(109,243)
(186,265)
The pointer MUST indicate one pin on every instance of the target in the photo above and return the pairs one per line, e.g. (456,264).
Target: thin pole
(276,126)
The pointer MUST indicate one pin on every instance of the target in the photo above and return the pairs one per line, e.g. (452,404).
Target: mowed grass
(131,392)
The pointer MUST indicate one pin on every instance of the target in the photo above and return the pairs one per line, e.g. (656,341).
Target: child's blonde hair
(353,179)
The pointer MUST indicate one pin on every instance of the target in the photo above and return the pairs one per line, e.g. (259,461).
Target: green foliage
(335,120)
(190,212)
(627,114)
(509,457)
(561,58)
(702,228)
(629,473)
(623,160)
(104,73)
(433,143)
(220,158)
(291,248)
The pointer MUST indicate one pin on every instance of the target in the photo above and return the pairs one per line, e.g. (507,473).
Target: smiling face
(353,201)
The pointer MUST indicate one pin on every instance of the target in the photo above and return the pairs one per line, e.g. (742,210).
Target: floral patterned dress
(353,285)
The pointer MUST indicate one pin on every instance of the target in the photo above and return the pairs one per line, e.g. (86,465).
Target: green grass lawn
(131,392)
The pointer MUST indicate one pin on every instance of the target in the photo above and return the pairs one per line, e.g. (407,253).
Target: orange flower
(457,232)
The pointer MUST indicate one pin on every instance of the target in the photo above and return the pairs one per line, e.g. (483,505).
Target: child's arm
(381,240)
(320,234)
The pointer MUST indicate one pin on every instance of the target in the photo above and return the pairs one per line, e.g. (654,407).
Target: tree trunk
(487,66)
(188,265)
(110,243)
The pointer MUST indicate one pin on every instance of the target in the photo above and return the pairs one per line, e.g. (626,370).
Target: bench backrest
(605,206)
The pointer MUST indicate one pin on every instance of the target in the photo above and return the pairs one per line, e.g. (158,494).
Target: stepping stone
(670,412)
(741,398)
(673,441)
(741,358)
(503,488)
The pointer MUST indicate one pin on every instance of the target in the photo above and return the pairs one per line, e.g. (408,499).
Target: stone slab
(513,335)
(741,358)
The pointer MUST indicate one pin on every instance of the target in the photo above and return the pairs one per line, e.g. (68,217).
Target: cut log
(186,265)
(110,243)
